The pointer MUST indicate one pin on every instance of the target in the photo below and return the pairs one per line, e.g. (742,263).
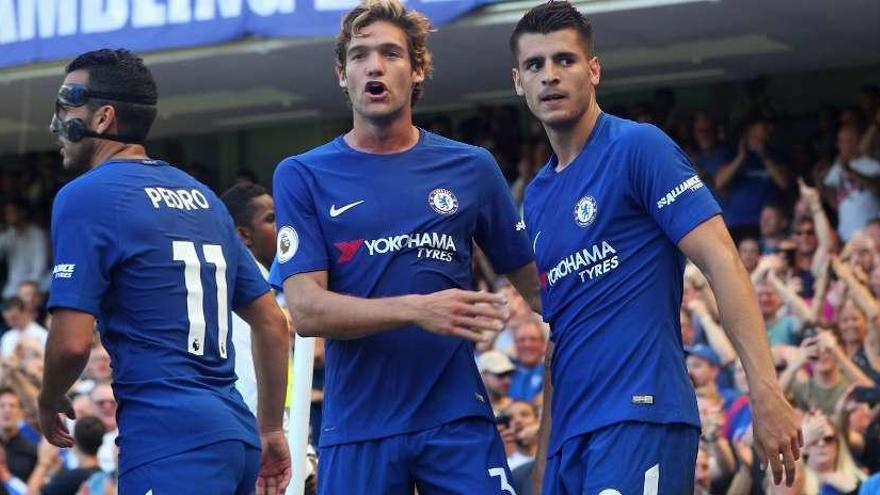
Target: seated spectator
(88,433)
(773,225)
(832,374)
(21,323)
(21,454)
(24,247)
(530,344)
(856,179)
(496,369)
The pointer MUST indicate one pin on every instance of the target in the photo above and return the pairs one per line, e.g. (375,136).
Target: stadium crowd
(801,199)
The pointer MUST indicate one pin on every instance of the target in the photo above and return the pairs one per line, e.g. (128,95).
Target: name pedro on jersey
(588,263)
(180,199)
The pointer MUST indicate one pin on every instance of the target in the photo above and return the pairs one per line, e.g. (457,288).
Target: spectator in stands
(832,373)
(105,402)
(496,369)
(781,329)
(21,324)
(21,454)
(773,226)
(750,180)
(88,433)
(10,483)
(704,366)
(24,247)
(34,300)
(707,154)
(522,433)
(530,344)
(749,253)
(98,368)
(830,468)
(702,475)
(856,179)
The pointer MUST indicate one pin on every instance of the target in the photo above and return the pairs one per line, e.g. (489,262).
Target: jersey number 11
(185,251)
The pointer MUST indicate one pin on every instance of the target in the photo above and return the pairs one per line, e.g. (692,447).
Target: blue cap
(705,352)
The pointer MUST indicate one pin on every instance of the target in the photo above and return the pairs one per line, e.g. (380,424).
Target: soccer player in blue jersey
(374,249)
(611,218)
(152,256)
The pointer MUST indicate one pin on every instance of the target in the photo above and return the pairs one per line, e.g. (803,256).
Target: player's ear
(517,84)
(340,75)
(418,75)
(595,71)
(244,234)
(104,119)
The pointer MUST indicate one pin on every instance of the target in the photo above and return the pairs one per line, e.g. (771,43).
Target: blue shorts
(463,457)
(222,468)
(629,458)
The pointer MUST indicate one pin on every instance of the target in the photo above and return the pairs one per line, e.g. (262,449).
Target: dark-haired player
(152,255)
(611,218)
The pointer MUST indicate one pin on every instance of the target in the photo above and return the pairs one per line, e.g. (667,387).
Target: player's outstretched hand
(52,423)
(274,464)
(475,316)
(777,432)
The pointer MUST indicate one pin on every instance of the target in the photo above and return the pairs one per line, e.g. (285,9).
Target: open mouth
(375,88)
(552,97)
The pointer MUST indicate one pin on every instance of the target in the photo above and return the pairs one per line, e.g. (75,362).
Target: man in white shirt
(856,179)
(24,247)
(21,324)
(253,212)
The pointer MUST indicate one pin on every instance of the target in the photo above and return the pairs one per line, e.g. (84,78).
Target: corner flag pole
(301,400)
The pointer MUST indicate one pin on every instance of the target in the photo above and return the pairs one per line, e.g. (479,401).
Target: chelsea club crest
(585,211)
(443,201)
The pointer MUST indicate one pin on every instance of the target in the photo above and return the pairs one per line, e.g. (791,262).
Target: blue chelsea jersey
(604,231)
(153,255)
(389,225)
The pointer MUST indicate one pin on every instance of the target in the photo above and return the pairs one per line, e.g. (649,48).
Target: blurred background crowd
(801,197)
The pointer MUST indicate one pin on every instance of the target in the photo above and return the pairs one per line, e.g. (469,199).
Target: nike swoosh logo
(335,212)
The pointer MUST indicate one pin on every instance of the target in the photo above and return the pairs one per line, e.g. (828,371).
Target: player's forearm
(271,350)
(525,279)
(270,345)
(740,317)
(322,313)
(67,353)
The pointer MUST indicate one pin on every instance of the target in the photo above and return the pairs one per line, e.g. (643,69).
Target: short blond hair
(414,25)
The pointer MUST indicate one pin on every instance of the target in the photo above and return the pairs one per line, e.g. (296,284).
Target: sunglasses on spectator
(827,439)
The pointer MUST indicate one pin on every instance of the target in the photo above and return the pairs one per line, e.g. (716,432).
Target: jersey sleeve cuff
(92,307)
(279,273)
(694,219)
